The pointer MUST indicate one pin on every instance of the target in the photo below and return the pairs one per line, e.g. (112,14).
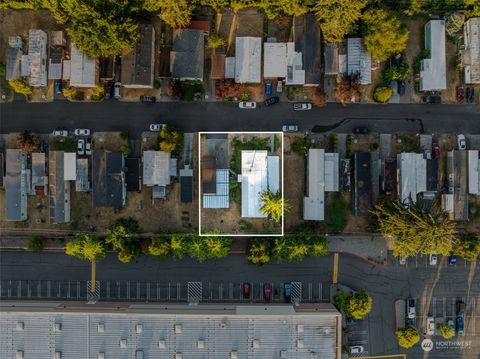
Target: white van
(116,89)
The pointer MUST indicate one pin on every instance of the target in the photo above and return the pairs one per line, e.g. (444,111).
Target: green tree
(122,237)
(27,141)
(87,246)
(414,230)
(217,246)
(341,301)
(170,140)
(385,34)
(382,94)
(468,246)
(258,251)
(318,246)
(217,5)
(358,304)
(407,337)
(395,73)
(197,249)
(159,247)
(35,244)
(178,245)
(21,87)
(19,4)
(215,40)
(273,205)
(175,13)
(337,17)
(446,331)
(294,7)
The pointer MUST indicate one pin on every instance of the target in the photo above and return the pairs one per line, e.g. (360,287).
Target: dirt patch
(280,29)
(365,143)
(133,94)
(111,141)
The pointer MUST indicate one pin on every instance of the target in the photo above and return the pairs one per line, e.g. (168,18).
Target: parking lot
(422,261)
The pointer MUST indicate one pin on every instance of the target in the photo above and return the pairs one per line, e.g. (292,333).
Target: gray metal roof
(156,168)
(15,185)
(359,60)
(307,39)
(14,57)
(413,175)
(37,54)
(82,184)
(331,59)
(207,335)
(59,189)
(187,55)
(108,179)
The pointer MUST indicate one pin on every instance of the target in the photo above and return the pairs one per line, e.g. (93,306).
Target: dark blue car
(459,325)
(452,260)
(58,87)
(268,88)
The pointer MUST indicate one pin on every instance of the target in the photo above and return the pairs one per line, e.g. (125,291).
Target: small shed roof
(83,69)
(248,56)
(156,168)
(70,166)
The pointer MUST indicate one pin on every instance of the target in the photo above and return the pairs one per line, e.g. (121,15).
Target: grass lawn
(337,214)
(67,145)
(190,88)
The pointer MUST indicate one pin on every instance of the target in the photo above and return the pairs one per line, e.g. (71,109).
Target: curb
(360,257)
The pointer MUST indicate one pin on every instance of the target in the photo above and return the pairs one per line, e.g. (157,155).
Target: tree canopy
(170,140)
(122,237)
(468,246)
(87,246)
(407,337)
(21,87)
(384,34)
(27,141)
(273,205)
(176,13)
(358,304)
(446,331)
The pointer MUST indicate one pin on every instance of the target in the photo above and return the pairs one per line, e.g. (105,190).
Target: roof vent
(139,328)
(19,354)
(57,355)
(201,344)
(256,343)
(101,355)
(178,355)
(233,355)
(300,328)
(223,325)
(313,355)
(299,343)
(101,327)
(178,328)
(283,354)
(139,354)
(20,325)
(57,327)
(123,343)
(162,344)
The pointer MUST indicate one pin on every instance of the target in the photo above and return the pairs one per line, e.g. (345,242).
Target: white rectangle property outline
(200,133)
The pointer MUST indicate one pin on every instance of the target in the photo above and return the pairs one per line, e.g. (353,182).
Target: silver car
(247,105)
(302,106)
(82,132)
(290,128)
(60,133)
(462,142)
(81,147)
(156,127)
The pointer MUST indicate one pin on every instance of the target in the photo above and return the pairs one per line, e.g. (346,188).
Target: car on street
(247,105)
(430,326)
(267,292)
(279,86)
(58,87)
(470,96)
(272,101)
(411,312)
(402,260)
(356,349)
(116,89)
(452,260)
(462,142)
(108,92)
(290,128)
(156,127)
(287,291)
(435,150)
(460,307)
(432,259)
(88,147)
(82,132)
(148,99)
(246,290)
(268,88)
(401,87)
(459,325)
(60,133)
(81,147)
(460,93)
(302,106)
(361,130)
(432,99)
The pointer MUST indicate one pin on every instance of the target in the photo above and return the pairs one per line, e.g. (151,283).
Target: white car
(116,90)
(302,106)
(430,326)
(82,132)
(290,128)
(81,147)
(60,133)
(247,105)
(356,349)
(411,312)
(402,260)
(462,142)
(156,127)
(432,259)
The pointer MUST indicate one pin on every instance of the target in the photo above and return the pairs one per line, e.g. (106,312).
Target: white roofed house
(470,55)
(248,59)
(37,57)
(60,173)
(280,60)
(83,69)
(158,168)
(473,172)
(433,69)
(412,168)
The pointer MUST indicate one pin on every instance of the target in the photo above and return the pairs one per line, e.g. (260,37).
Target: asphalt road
(112,115)
(441,284)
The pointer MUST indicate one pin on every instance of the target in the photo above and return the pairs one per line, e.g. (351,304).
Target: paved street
(135,117)
(435,288)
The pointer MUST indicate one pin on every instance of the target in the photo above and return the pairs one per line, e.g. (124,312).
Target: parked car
(156,127)
(462,142)
(279,86)
(470,94)
(82,132)
(116,89)
(88,147)
(290,128)
(411,312)
(459,325)
(218,91)
(60,133)
(246,290)
(351,321)
(148,99)
(401,87)
(108,90)
(402,261)
(287,291)
(272,101)
(302,106)
(436,150)
(247,105)
(451,324)
(267,292)
(460,307)
(268,88)
(356,349)
(427,154)
(460,93)
(361,130)
(452,260)
(81,147)
(430,326)
(432,259)
(432,99)
(58,87)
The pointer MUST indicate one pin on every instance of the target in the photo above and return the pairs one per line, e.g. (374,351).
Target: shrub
(358,304)
(21,87)
(258,251)
(301,146)
(340,301)
(407,337)
(446,331)
(79,96)
(125,150)
(159,247)
(35,244)
(69,92)
(382,94)
(215,41)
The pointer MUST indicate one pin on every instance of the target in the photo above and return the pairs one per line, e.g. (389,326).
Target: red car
(435,150)
(267,292)
(218,92)
(246,290)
